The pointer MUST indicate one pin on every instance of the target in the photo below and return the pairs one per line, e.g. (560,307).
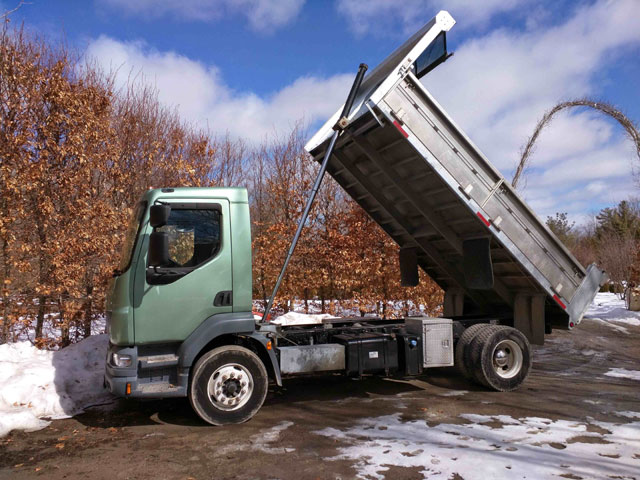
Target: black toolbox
(369,353)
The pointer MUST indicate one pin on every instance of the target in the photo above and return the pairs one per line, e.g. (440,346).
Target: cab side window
(194,236)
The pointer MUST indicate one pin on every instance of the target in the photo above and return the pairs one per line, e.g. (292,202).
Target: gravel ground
(576,416)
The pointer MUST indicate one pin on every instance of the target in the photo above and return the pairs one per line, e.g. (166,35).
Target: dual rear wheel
(495,356)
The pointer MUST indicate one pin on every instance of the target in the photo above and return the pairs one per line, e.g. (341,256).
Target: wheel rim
(230,387)
(507,359)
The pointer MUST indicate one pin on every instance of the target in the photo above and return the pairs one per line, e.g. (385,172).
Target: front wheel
(228,385)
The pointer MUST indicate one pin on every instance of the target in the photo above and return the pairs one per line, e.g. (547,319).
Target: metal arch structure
(605,108)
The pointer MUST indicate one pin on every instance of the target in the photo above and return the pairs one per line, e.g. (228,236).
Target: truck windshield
(132,236)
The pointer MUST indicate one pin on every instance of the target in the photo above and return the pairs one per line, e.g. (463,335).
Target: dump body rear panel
(429,187)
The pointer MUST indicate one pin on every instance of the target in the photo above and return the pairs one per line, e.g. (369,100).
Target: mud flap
(478,269)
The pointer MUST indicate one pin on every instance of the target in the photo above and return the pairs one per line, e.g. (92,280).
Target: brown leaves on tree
(76,154)
(344,259)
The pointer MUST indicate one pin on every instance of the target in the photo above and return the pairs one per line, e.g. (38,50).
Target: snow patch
(628,414)
(262,441)
(608,307)
(294,318)
(39,385)
(623,373)
(618,328)
(454,393)
(517,448)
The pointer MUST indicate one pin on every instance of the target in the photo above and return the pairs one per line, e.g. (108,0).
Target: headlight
(120,360)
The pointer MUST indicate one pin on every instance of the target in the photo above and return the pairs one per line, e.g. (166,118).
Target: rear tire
(462,350)
(502,358)
(228,385)
(474,356)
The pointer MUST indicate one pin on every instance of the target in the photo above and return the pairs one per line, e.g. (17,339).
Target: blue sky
(254,67)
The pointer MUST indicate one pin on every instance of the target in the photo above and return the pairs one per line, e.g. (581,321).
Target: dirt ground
(165,439)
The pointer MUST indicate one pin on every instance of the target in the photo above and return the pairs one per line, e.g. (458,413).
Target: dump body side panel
(425,183)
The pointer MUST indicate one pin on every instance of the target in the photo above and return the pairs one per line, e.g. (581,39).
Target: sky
(255,68)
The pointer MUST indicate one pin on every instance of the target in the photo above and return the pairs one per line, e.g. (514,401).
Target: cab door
(169,303)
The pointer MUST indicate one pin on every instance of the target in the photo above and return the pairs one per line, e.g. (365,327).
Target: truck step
(160,388)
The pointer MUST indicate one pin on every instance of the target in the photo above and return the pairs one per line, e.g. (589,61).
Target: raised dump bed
(414,171)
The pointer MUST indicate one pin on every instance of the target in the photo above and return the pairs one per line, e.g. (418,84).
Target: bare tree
(5,16)
(616,254)
(605,108)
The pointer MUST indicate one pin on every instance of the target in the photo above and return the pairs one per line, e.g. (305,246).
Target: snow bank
(608,307)
(294,318)
(516,448)
(36,385)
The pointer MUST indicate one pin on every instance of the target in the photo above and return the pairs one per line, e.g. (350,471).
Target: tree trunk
(6,321)
(4,336)
(88,312)
(65,338)
(40,317)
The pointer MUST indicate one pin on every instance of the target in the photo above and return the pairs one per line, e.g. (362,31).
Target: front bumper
(137,382)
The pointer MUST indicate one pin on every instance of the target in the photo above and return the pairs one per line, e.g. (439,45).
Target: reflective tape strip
(399,127)
(484,220)
(557,299)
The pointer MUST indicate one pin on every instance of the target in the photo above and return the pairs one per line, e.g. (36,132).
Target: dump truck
(180,311)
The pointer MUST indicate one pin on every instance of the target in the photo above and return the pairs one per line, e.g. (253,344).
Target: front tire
(228,385)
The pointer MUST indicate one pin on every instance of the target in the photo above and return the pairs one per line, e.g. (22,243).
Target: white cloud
(381,16)
(497,87)
(263,15)
(202,96)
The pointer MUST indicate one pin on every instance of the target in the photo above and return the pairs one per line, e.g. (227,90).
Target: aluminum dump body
(412,169)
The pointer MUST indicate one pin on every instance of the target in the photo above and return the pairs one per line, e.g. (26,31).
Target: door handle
(223,299)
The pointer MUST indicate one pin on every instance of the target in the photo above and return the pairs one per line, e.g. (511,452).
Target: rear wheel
(502,358)
(462,350)
(228,385)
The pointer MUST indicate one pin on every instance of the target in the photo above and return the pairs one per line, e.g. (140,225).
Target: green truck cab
(163,320)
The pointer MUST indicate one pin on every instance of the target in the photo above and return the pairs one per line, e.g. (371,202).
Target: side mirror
(158,249)
(159,215)
(409,267)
